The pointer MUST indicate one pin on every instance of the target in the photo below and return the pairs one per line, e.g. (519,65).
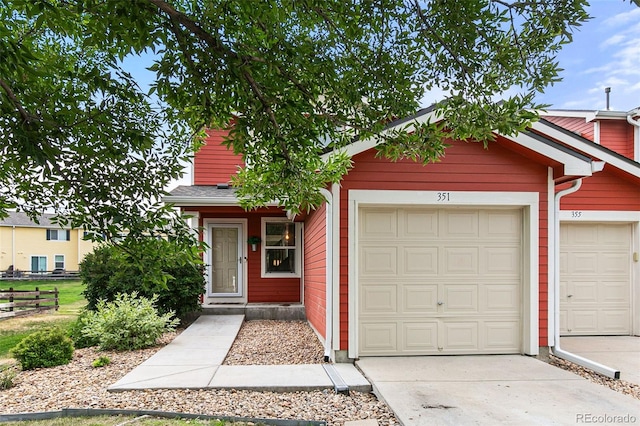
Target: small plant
(7,375)
(128,323)
(254,239)
(101,361)
(45,348)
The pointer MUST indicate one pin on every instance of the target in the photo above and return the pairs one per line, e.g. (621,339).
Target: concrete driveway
(490,390)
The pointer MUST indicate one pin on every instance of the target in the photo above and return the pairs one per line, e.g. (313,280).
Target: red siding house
(488,251)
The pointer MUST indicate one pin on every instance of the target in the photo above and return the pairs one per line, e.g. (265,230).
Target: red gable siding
(574,124)
(315,269)
(465,167)
(214,163)
(617,135)
(604,191)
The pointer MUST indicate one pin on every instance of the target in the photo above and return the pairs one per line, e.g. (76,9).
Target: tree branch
(26,117)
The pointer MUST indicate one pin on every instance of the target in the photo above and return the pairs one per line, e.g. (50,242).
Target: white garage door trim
(442,199)
(604,216)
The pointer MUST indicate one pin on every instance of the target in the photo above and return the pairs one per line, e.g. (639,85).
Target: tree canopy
(297,77)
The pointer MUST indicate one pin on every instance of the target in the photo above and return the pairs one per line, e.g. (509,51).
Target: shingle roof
(204,191)
(21,219)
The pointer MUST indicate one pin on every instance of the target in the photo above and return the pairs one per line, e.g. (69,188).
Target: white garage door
(595,279)
(436,281)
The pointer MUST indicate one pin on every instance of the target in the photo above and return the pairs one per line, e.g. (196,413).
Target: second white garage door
(595,279)
(439,281)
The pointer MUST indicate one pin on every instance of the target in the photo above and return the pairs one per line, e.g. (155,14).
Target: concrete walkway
(193,360)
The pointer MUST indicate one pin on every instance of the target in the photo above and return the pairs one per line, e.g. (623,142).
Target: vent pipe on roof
(607,92)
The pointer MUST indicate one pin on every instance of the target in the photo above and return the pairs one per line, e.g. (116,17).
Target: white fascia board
(200,201)
(587,148)
(573,166)
(360,146)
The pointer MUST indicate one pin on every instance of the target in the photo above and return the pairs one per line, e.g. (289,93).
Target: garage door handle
(569,295)
(440,303)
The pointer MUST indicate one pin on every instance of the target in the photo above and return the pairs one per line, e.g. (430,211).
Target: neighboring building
(462,256)
(27,247)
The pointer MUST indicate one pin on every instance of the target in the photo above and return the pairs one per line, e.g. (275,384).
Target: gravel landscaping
(622,386)
(79,385)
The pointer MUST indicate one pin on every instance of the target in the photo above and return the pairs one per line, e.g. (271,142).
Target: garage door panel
(501,225)
(458,335)
(583,292)
(379,299)
(595,280)
(584,321)
(419,298)
(614,292)
(375,261)
(614,321)
(379,338)
(419,224)
(501,261)
(420,261)
(614,263)
(502,335)
(583,263)
(500,298)
(460,298)
(378,223)
(420,337)
(460,260)
(459,224)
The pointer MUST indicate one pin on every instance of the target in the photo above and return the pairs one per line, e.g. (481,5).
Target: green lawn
(71,300)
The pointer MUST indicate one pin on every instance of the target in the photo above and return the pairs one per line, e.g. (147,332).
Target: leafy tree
(78,135)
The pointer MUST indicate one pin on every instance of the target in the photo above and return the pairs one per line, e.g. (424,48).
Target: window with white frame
(38,263)
(58,261)
(58,235)
(280,248)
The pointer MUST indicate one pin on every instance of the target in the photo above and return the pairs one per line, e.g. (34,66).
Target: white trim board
(443,199)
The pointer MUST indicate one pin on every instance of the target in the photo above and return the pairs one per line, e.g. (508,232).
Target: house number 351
(443,196)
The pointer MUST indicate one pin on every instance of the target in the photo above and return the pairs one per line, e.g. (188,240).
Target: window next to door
(280,248)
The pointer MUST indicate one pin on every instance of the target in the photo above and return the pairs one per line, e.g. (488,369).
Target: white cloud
(612,41)
(633,15)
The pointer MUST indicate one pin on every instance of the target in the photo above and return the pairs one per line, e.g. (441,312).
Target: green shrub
(75,333)
(44,348)
(101,362)
(172,271)
(128,323)
(7,375)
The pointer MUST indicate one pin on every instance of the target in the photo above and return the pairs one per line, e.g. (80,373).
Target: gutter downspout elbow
(556,349)
(328,338)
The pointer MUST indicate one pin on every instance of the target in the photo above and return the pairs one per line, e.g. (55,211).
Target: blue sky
(605,52)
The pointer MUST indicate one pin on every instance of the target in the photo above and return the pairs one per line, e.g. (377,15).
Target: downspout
(556,349)
(328,338)
(13,248)
(636,133)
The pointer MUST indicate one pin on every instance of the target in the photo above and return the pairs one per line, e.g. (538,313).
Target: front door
(226,260)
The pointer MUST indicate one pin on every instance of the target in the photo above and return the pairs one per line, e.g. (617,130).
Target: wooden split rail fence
(15,303)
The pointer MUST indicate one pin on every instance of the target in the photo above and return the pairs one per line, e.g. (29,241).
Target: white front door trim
(208,224)
(445,199)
